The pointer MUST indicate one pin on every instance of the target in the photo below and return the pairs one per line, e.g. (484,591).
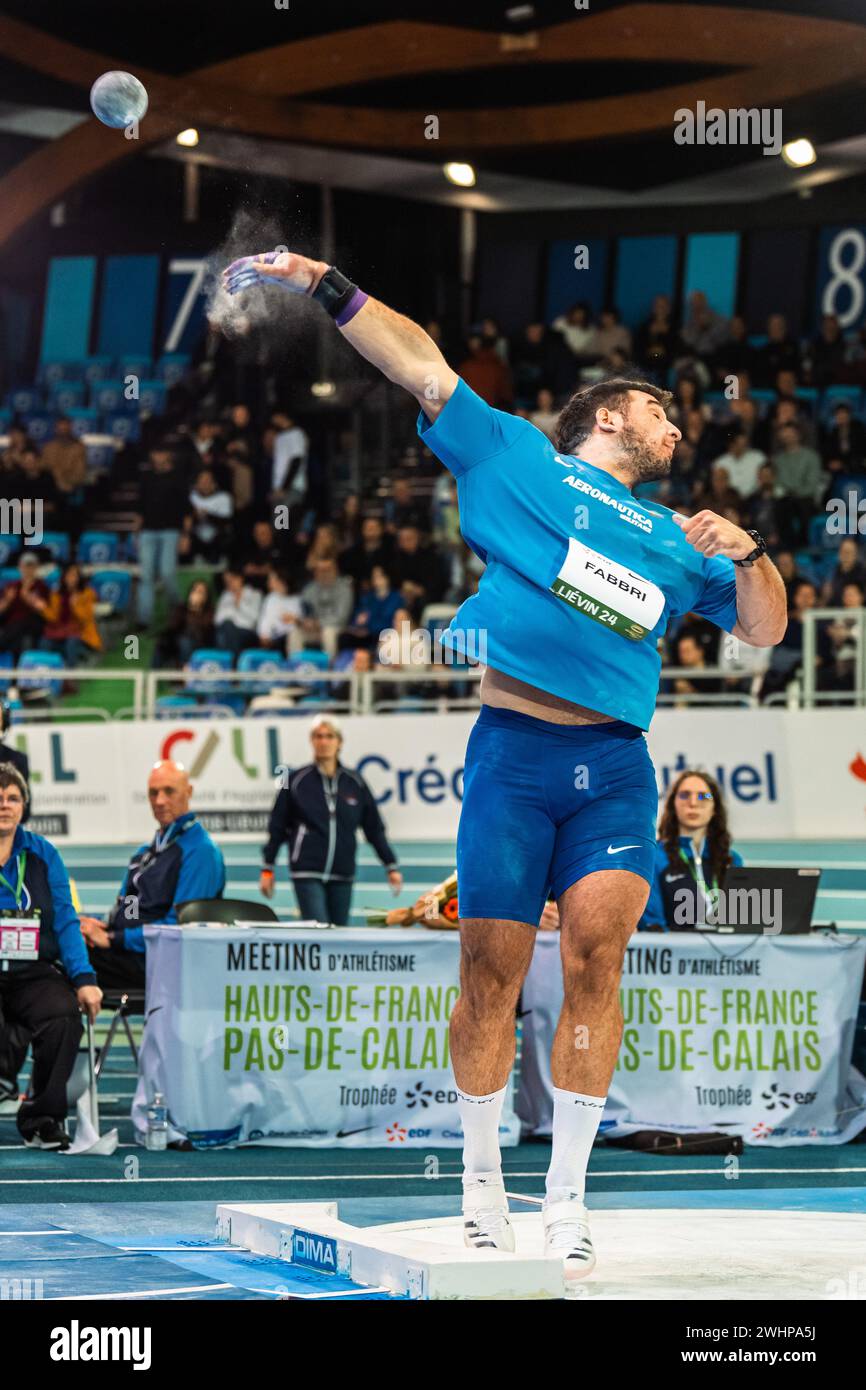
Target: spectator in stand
(402,508)
(325,546)
(801,478)
(488,376)
(241,483)
(289,478)
(265,549)
(280,613)
(827,353)
(65,458)
(492,336)
(70,618)
(380,607)
(655,340)
(787,567)
(189,627)
(163,507)
(237,614)
(742,464)
(207,526)
(734,357)
(690,653)
(762,505)
(850,569)
(842,634)
(610,336)
(348,522)
(787,657)
(328,600)
(779,353)
(544,417)
(578,331)
(239,428)
(722,497)
(704,330)
(843,446)
(417,571)
(19,441)
(22,605)
(687,397)
(204,441)
(700,436)
(742,411)
(768,435)
(36,483)
(533,358)
(374,548)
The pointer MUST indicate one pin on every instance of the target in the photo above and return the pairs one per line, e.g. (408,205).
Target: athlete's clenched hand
(714,535)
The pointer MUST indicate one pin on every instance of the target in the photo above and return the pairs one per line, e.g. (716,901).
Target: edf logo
(316,1252)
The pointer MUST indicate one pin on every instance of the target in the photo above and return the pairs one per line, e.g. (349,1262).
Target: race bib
(19,938)
(607,592)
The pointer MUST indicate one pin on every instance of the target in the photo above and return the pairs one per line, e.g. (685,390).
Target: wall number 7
(196,270)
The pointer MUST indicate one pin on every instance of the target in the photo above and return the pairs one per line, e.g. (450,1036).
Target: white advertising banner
(313,1037)
(744,1035)
(785,773)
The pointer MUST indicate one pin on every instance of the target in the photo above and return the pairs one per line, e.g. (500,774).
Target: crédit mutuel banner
(785,773)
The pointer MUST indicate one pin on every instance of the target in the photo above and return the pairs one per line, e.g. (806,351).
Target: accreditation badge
(619,599)
(19,937)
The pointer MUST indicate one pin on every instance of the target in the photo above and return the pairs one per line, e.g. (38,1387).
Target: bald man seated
(180,863)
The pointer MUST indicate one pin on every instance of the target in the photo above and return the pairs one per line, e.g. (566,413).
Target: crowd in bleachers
(772,426)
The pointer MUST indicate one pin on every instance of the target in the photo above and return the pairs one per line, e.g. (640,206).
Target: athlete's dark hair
(718,834)
(577,421)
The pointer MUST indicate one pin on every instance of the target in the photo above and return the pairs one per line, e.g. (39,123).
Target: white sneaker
(566,1233)
(485,1213)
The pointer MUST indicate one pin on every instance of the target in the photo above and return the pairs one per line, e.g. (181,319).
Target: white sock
(480,1116)
(575,1124)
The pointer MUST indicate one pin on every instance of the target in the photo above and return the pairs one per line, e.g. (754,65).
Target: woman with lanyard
(319,814)
(693,853)
(46,978)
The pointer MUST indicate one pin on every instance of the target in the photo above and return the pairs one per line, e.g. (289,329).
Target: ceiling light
(188,137)
(798,153)
(461,174)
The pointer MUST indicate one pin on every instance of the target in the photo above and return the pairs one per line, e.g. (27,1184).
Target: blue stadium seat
(84,420)
(122,425)
(5,417)
(98,548)
(40,427)
(306,663)
(207,663)
(762,395)
(809,396)
(52,660)
(757,340)
(172,367)
(98,368)
(142,367)
(9,546)
(851,395)
(108,395)
(57,544)
(64,396)
(50,372)
(151,397)
(343,660)
(114,587)
(168,706)
(51,577)
(7,663)
(100,455)
(25,400)
(9,573)
(263,663)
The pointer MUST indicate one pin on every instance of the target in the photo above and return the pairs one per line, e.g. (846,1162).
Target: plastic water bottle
(156,1138)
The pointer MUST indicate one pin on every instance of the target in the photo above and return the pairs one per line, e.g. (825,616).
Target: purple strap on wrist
(358,300)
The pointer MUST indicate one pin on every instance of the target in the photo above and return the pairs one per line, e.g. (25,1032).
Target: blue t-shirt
(582,578)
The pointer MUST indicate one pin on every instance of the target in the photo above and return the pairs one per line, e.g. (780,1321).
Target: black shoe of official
(49,1135)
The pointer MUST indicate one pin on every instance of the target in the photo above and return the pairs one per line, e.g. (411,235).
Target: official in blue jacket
(318,815)
(693,854)
(180,863)
(46,978)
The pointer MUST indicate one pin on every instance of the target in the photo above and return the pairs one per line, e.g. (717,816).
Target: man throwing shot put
(559,791)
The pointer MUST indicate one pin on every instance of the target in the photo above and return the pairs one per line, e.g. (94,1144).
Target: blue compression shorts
(546,804)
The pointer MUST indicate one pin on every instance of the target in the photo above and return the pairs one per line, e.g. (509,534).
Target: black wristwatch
(759,550)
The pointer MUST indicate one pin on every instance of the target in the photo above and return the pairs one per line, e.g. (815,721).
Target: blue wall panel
(712,262)
(567,285)
(68,309)
(128,310)
(645,266)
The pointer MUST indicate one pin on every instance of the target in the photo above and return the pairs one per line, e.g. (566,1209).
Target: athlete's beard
(643,462)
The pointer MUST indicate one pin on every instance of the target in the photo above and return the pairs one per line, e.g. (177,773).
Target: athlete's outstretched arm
(398,347)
